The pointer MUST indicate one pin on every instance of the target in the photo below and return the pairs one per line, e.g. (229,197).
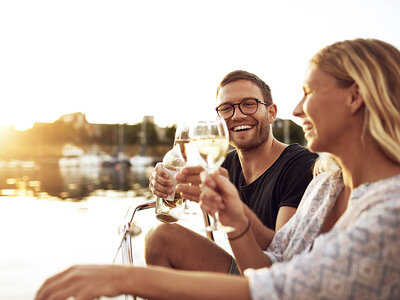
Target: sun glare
(20,119)
(20,125)
(23,125)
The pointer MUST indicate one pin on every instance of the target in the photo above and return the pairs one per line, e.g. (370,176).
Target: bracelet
(242,234)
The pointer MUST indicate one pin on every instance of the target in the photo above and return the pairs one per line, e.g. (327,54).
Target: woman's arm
(218,193)
(92,281)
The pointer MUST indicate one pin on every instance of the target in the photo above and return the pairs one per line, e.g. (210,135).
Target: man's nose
(237,113)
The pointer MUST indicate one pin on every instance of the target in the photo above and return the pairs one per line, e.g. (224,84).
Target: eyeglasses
(247,106)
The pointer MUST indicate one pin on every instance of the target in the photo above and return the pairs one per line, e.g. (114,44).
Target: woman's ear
(356,101)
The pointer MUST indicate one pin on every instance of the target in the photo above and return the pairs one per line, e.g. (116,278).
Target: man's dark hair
(244,75)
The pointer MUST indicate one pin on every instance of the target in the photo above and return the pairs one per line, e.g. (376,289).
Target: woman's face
(323,111)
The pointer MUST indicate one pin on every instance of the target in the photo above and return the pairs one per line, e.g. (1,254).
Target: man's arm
(219,194)
(262,233)
(284,214)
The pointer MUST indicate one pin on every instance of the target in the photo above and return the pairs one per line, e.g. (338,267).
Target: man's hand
(219,194)
(188,183)
(159,182)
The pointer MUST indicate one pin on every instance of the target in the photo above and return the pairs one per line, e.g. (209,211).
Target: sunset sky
(116,61)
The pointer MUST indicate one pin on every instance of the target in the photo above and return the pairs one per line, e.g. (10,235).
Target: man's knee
(159,241)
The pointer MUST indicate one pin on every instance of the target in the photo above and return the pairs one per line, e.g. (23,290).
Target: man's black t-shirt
(283,184)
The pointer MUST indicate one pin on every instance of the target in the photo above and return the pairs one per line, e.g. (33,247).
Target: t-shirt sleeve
(295,178)
(228,160)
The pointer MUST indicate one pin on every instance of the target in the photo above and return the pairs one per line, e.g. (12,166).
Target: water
(51,218)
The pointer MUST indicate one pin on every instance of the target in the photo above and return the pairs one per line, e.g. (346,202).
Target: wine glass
(182,139)
(211,140)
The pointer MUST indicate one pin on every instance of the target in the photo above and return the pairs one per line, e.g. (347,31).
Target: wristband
(242,234)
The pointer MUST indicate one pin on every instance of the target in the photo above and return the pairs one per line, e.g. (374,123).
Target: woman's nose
(298,110)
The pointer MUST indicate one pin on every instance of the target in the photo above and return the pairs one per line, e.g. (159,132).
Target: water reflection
(82,228)
(73,183)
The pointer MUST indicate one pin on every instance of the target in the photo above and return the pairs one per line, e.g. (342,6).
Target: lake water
(51,218)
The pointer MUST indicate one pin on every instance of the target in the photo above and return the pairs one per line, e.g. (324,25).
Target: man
(271,178)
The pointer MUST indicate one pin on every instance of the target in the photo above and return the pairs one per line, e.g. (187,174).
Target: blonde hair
(374,66)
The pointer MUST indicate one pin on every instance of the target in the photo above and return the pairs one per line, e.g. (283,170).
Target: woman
(344,240)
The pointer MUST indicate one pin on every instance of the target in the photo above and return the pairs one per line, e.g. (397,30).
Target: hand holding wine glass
(219,193)
(211,140)
(170,208)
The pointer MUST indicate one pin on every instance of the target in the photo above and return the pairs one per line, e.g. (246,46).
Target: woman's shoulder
(322,187)
(326,179)
(381,191)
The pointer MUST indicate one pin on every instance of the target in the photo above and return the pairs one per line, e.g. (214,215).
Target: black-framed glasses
(247,106)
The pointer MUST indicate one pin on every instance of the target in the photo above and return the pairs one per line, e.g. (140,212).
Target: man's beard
(259,138)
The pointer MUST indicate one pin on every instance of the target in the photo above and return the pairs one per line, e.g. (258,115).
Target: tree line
(47,139)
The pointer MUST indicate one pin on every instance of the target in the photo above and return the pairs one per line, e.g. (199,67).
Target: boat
(75,157)
(117,160)
(140,161)
(70,156)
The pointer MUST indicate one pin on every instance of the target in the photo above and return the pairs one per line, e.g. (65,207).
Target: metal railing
(129,229)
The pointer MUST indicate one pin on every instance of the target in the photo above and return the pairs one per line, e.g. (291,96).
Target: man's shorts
(234,268)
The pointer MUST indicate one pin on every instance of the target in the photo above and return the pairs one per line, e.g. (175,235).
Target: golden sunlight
(20,121)
(22,125)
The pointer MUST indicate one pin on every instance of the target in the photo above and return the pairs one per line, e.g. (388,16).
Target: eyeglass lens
(247,107)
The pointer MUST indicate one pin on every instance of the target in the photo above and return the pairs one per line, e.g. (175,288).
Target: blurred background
(91,92)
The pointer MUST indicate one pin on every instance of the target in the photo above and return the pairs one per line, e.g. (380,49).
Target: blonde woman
(344,240)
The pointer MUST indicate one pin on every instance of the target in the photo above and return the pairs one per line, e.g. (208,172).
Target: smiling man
(271,178)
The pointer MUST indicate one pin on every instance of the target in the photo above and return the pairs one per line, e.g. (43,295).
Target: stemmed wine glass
(182,139)
(211,140)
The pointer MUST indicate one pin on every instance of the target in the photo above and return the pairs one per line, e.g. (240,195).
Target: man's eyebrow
(245,98)
(238,101)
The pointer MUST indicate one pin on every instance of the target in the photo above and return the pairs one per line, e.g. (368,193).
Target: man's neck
(257,160)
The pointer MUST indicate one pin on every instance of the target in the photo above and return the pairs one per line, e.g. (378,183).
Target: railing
(128,230)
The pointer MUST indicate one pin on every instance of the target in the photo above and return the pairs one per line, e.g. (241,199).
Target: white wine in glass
(182,139)
(212,150)
(211,139)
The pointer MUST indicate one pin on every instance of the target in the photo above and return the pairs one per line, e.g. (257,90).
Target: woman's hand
(219,194)
(84,282)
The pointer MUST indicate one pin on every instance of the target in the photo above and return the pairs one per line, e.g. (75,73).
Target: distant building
(78,119)
(148,119)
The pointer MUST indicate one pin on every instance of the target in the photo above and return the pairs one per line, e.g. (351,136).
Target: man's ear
(272,110)
(356,101)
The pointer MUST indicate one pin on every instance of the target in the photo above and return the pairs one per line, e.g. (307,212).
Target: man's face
(246,132)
